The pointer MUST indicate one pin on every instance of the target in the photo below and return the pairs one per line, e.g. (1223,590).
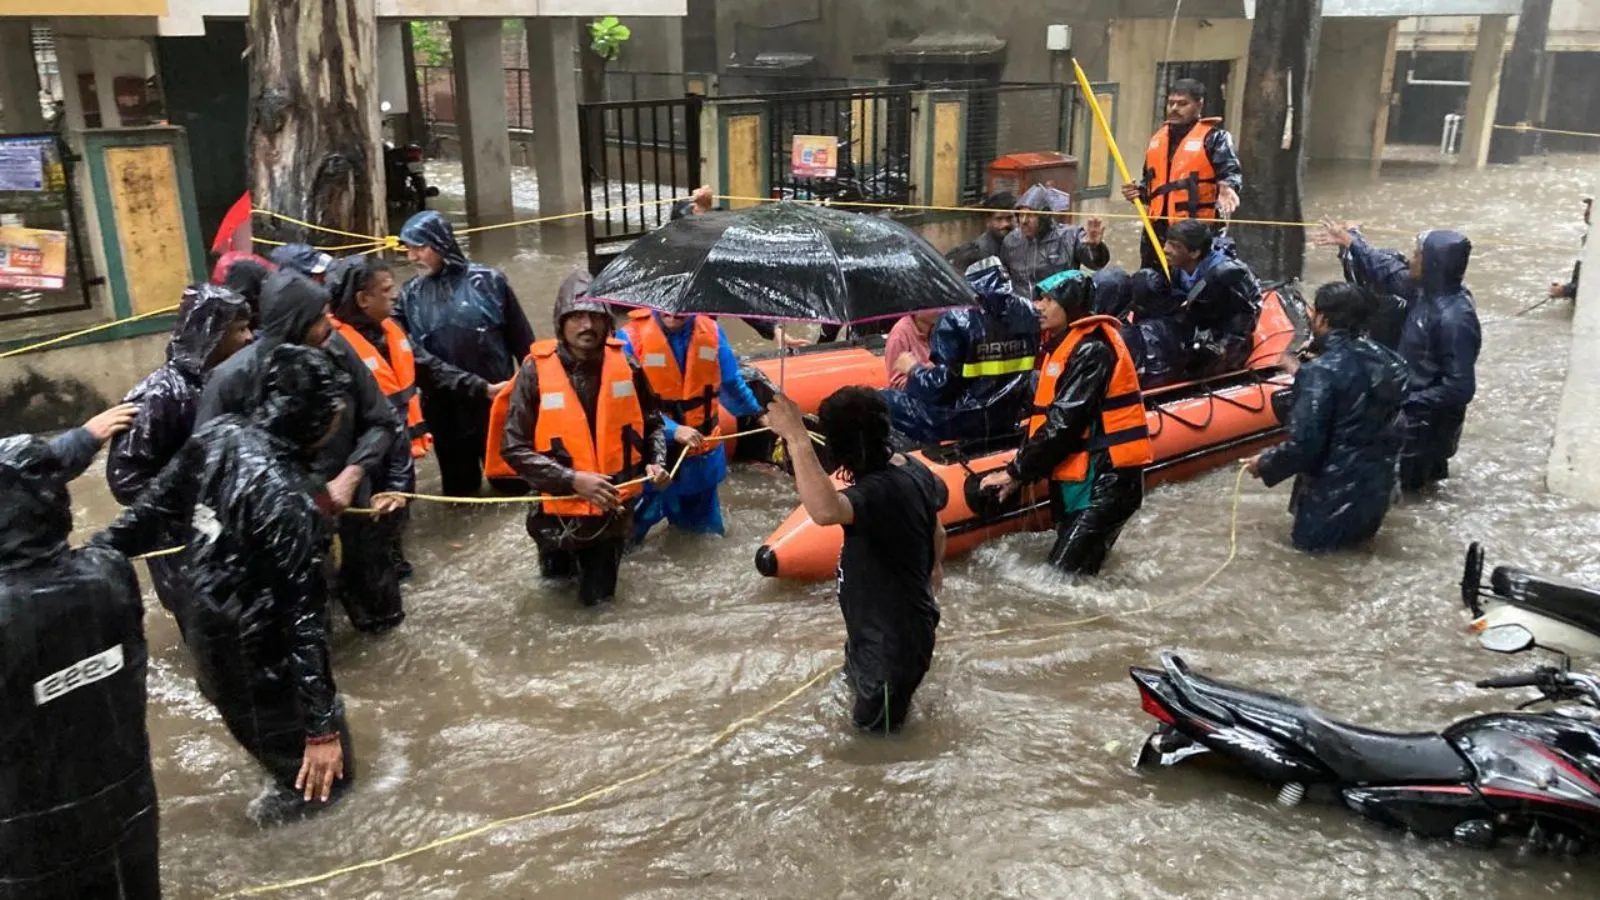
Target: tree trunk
(314,132)
(1277,104)
(1519,81)
(414,123)
(594,75)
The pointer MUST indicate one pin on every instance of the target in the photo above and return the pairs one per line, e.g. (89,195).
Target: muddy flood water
(500,697)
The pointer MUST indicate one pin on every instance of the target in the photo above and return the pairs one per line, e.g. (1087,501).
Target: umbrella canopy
(784,261)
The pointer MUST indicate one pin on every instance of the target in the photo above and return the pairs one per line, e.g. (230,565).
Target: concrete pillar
(481,117)
(1484,94)
(72,58)
(105,58)
(556,159)
(19,79)
(1575,459)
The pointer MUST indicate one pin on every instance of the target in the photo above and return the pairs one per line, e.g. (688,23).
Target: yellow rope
(572,215)
(91,330)
(1525,128)
(368,238)
(716,741)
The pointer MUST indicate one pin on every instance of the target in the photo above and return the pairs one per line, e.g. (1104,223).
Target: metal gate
(637,155)
(873,127)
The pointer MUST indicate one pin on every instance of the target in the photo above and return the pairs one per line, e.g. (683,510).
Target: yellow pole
(1111,142)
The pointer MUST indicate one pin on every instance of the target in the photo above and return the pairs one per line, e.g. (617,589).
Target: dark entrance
(204,79)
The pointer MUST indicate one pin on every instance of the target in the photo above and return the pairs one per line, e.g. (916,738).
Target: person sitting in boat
(1157,337)
(1087,434)
(692,368)
(1345,428)
(979,373)
(1221,299)
(1043,243)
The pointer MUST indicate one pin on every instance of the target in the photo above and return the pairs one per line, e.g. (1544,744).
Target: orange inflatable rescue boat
(1195,427)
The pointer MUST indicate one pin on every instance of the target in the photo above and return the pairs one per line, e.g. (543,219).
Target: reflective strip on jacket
(1122,430)
(690,392)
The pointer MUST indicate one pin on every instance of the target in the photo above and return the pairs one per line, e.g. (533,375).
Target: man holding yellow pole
(1191,170)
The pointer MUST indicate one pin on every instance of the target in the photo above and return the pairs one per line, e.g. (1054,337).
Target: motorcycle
(405,179)
(1503,775)
(1563,616)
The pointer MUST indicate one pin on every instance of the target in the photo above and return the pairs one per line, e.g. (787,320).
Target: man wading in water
(890,567)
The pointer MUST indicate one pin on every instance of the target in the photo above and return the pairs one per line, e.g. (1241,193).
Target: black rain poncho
(77,798)
(1344,439)
(1221,307)
(290,304)
(257,622)
(467,315)
(1440,343)
(167,399)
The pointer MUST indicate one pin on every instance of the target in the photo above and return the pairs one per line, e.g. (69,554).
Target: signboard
(815,156)
(32,258)
(32,177)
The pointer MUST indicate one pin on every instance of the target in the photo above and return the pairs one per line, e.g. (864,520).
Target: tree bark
(1283,52)
(314,130)
(1519,81)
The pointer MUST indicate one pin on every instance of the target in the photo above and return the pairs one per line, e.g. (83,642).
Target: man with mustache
(578,424)
(1191,170)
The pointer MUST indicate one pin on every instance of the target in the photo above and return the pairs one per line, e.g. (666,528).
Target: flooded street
(499,696)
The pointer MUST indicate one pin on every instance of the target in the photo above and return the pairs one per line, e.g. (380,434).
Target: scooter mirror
(1506,639)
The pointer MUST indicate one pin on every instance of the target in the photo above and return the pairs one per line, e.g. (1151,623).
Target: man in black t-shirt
(890,566)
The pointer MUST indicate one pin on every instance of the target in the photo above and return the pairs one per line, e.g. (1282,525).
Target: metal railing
(437,87)
(635,154)
(1015,118)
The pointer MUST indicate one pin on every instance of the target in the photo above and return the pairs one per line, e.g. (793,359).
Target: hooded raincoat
(1380,273)
(1087,524)
(77,798)
(1440,343)
(1344,439)
(1158,337)
(368,428)
(1222,303)
(467,315)
(1058,247)
(167,399)
(257,622)
(942,401)
(589,547)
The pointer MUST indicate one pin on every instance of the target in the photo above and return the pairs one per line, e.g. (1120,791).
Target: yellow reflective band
(998,367)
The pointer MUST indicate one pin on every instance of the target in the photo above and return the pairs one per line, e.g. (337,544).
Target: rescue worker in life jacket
(364,294)
(1191,170)
(1087,434)
(579,423)
(692,370)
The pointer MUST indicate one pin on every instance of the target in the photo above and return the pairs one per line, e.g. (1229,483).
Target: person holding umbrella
(1087,434)
(580,424)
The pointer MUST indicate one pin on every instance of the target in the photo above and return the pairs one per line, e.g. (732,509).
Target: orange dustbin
(1016,172)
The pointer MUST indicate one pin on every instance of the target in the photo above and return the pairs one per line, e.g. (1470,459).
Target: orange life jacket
(1122,430)
(396,377)
(689,394)
(614,447)
(1185,188)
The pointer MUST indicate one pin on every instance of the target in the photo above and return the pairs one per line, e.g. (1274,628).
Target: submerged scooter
(1562,615)
(1534,776)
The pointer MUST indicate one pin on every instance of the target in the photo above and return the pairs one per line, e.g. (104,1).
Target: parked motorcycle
(1562,616)
(1533,776)
(405,179)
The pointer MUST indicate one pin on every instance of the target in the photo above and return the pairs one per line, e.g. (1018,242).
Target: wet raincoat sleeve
(735,394)
(1310,428)
(1224,159)
(74,450)
(143,525)
(519,334)
(1458,341)
(291,546)
(434,375)
(947,347)
(376,425)
(1090,256)
(655,426)
(1065,431)
(137,455)
(1381,270)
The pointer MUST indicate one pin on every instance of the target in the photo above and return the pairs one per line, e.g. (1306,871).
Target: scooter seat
(1556,598)
(1354,755)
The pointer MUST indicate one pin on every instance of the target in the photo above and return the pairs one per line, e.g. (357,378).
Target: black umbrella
(784,261)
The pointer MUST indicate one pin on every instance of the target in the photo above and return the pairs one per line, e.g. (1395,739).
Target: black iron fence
(1014,118)
(637,156)
(437,86)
